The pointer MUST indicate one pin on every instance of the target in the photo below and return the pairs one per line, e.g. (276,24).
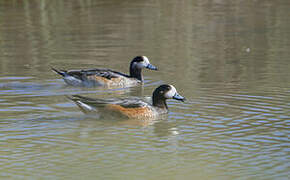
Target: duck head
(164,92)
(137,64)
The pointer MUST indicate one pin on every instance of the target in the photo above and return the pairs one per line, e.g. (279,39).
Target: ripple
(15,78)
(234,125)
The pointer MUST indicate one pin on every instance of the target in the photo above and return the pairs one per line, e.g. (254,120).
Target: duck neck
(159,102)
(136,72)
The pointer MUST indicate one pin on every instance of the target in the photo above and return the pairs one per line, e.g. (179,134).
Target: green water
(230,59)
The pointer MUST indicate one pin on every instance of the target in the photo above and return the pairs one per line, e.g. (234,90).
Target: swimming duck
(107,77)
(132,108)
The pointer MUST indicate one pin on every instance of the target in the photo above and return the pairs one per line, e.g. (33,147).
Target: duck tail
(85,108)
(60,72)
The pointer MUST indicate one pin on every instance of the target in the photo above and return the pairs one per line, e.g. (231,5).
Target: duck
(107,77)
(130,108)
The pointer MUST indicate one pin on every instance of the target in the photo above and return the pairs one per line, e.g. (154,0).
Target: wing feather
(126,103)
(106,73)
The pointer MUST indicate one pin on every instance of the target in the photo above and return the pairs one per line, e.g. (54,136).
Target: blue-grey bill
(178,97)
(152,67)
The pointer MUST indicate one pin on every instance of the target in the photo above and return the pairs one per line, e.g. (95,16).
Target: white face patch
(145,60)
(169,94)
(144,63)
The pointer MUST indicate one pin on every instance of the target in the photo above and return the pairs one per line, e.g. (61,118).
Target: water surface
(230,59)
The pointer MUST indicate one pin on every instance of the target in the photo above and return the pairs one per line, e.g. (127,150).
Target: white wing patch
(85,106)
(72,81)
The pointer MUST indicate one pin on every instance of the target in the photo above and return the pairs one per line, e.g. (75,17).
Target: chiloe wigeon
(133,107)
(107,77)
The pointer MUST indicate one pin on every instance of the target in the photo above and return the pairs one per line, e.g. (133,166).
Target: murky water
(230,59)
